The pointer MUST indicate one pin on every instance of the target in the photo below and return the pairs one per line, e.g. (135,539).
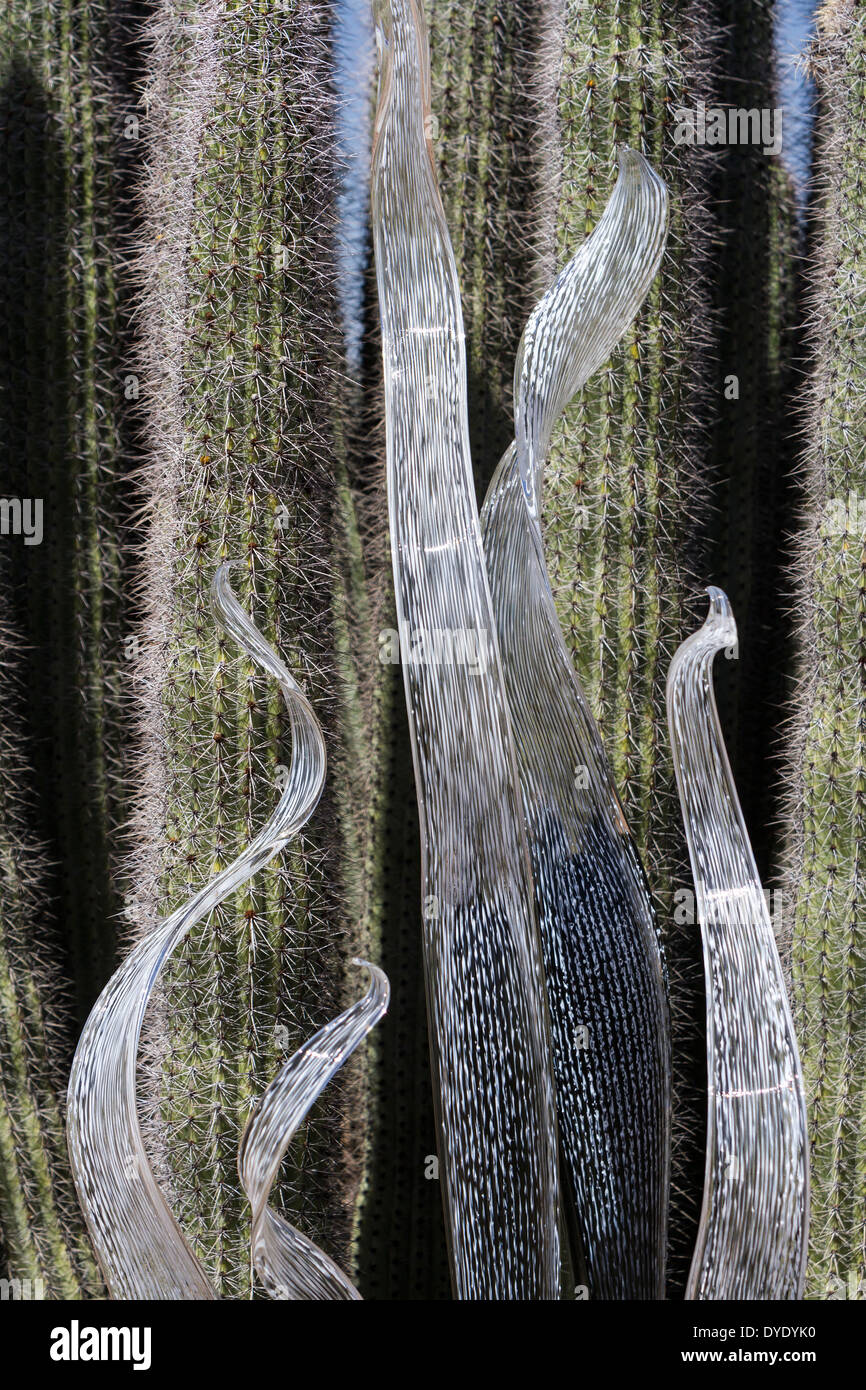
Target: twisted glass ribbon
(753,1230)
(499,754)
(605,985)
(288,1264)
(140,1245)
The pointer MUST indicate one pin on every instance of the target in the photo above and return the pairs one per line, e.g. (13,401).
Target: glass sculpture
(538,932)
(140,1246)
(546,986)
(754,1220)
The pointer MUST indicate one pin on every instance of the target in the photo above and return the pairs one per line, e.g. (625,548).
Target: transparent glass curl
(752,1240)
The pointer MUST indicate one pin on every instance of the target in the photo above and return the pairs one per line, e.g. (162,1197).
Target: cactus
(43,1232)
(492,140)
(658,481)
(756,300)
(244,399)
(826,785)
(64,424)
(65,73)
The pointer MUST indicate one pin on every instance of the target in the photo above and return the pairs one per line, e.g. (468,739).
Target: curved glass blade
(754,1221)
(485,991)
(289,1265)
(603,967)
(575,326)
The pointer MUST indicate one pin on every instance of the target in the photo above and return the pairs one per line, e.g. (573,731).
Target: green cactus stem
(245,398)
(67,387)
(46,1253)
(826,818)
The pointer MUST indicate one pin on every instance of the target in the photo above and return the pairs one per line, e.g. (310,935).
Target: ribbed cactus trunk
(827,782)
(757,307)
(65,75)
(65,401)
(120,697)
(43,1239)
(244,397)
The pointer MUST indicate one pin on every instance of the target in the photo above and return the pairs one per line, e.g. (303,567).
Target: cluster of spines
(826,813)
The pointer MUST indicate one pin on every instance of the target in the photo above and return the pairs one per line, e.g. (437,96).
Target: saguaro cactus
(827,775)
(659,480)
(243,392)
(755,293)
(65,72)
(45,1251)
(64,398)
